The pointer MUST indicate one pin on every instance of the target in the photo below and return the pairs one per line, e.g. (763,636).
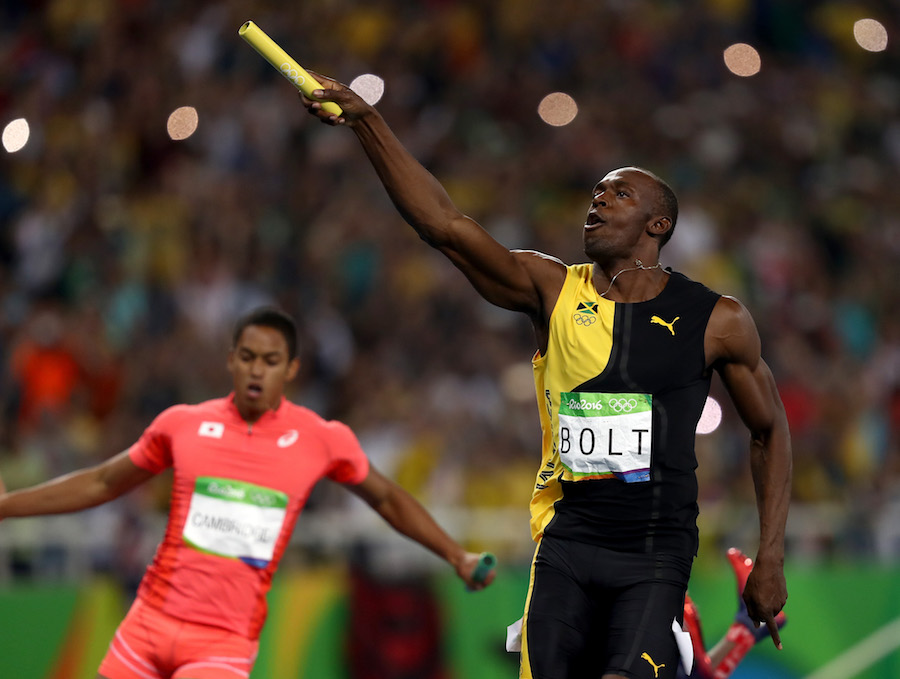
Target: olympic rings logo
(261,499)
(623,405)
(584,319)
(292,74)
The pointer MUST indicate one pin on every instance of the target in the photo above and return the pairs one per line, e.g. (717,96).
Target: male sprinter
(244,466)
(625,354)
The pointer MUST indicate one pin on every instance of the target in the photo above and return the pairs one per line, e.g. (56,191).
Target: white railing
(75,545)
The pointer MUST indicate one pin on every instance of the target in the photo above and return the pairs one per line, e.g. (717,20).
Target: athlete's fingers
(327,81)
(772,625)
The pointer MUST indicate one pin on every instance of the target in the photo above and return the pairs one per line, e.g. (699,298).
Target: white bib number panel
(606,435)
(235,520)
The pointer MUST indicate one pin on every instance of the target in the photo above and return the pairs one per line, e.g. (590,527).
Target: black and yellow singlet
(620,390)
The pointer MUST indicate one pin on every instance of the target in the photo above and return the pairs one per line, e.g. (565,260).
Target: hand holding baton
(486,564)
(283,63)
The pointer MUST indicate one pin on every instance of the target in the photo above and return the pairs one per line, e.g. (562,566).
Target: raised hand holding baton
(284,64)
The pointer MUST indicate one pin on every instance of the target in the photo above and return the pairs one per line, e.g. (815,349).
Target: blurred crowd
(125,255)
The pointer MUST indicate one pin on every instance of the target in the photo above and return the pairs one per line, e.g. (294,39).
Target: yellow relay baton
(282,61)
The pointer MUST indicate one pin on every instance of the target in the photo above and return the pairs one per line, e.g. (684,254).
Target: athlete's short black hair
(269,317)
(666,203)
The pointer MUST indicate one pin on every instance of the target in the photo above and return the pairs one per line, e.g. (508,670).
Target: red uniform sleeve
(153,451)
(349,463)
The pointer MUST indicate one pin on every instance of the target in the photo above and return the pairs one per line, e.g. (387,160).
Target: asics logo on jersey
(213,430)
(666,324)
(646,656)
(288,439)
(585,313)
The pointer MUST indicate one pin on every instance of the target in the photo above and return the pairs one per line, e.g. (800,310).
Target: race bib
(235,520)
(606,435)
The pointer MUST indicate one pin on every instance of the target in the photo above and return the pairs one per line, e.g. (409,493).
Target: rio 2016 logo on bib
(606,435)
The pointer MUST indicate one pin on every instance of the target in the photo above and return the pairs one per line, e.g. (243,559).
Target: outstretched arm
(734,347)
(79,490)
(407,516)
(517,280)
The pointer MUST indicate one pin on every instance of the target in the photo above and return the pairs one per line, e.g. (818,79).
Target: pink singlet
(236,494)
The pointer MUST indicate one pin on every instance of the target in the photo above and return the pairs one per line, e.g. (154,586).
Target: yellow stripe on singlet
(524,663)
(578,349)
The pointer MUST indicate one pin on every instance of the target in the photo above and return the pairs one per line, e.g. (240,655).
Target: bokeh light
(558,109)
(15,135)
(742,59)
(711,417)
(369,87)
(182,123)
(871,35)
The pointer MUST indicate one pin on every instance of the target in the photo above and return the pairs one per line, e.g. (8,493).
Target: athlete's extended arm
(518,280)
(407,516)
(75,491)
(733,347)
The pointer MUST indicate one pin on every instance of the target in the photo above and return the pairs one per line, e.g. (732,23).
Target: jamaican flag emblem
(585,313)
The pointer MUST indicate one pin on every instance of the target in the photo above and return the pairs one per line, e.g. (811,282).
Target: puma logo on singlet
(646,656)
(666,324)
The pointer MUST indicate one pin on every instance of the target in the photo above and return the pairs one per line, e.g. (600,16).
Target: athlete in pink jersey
(243,468)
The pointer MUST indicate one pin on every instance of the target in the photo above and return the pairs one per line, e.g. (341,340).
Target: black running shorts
(593,611)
